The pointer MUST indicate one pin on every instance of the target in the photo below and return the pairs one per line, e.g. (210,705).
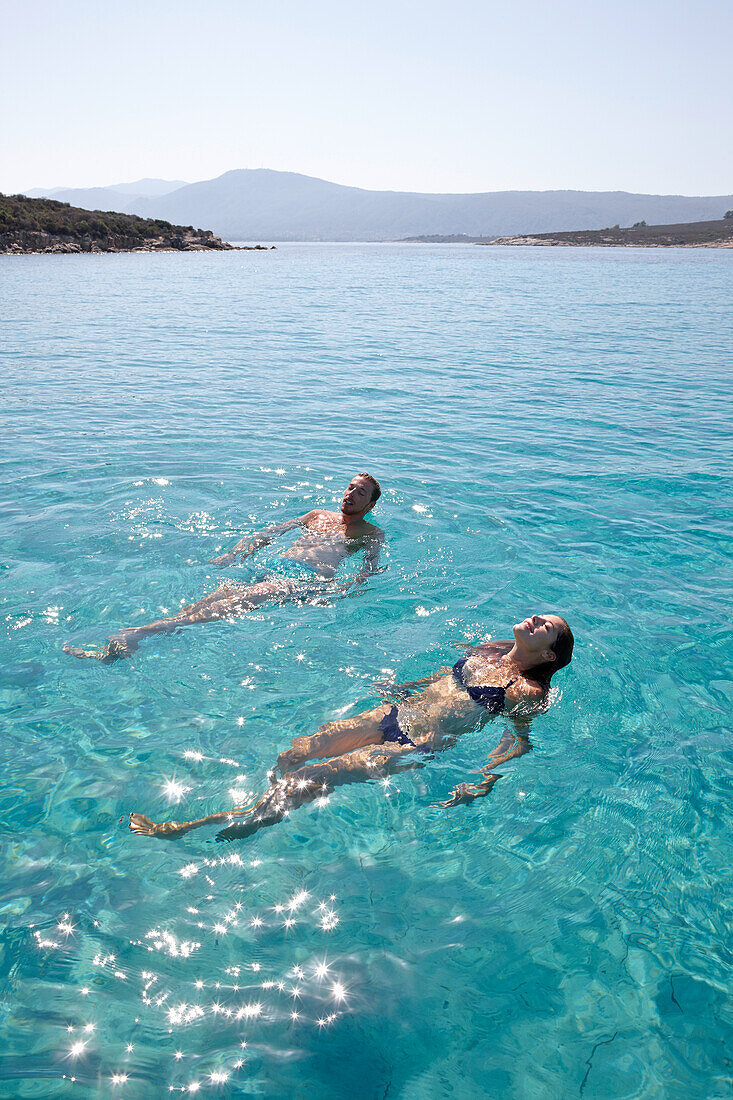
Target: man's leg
(221,604)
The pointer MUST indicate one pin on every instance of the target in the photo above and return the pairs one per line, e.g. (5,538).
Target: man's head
(362,493)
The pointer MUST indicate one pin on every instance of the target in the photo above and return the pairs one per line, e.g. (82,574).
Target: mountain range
(261,204)
(123,194)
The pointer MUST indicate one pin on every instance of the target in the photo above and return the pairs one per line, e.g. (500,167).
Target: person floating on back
(306,569)
(489,679)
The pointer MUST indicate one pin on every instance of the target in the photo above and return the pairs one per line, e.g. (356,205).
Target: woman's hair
(562,647)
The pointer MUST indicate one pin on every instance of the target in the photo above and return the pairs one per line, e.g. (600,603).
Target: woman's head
(546,643)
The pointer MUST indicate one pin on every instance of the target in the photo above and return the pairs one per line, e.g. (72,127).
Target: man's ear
(371,505)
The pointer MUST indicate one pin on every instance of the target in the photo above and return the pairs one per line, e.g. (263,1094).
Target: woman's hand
(465,793)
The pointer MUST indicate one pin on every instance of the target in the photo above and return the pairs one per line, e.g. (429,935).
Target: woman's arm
(513,744)
(497,647)
(511,747)
(401,691)
(523,691)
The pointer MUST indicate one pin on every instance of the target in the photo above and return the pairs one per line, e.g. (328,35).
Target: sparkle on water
(551,429)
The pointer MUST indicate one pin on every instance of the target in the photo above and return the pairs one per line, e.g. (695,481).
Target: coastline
(31,226)
(708,234)
(74,249)
(39,244)
(533,242)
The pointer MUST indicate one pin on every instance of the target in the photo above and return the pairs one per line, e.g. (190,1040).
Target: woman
(490,678)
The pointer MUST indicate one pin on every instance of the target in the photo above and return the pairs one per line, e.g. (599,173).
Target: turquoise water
(552,431)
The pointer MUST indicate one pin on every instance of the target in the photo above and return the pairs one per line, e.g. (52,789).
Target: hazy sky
(466,95)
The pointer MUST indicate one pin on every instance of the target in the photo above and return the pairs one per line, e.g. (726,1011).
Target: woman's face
(538,634)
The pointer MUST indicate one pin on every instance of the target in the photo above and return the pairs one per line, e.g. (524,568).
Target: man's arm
(252,544)
(370,565)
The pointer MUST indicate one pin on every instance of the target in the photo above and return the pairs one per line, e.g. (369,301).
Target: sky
(460,96)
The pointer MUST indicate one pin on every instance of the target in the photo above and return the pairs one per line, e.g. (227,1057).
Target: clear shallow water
(552,431)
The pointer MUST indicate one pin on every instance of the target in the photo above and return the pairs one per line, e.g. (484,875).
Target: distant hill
(261,204)
(256,204)
(714,234)
(46,225)
(119,196)
(149,187)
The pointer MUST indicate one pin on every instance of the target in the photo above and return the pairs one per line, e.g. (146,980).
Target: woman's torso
(445,708)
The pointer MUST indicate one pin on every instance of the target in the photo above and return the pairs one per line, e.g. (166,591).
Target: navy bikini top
(493,698)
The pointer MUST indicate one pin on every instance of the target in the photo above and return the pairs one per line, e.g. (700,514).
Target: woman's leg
(294,790)
(334,739)
(221,604)
(169,830)
(339,738)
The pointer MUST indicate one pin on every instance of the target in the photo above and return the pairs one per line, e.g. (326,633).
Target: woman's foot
(143,826)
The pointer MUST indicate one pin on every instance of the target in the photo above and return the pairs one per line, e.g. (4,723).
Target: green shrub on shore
(105,229)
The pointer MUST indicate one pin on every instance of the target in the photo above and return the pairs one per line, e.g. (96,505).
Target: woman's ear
(549,655)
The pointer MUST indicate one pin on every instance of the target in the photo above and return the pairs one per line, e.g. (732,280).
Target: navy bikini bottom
(392,734)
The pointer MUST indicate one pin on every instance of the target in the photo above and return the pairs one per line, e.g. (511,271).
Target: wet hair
(376,488)
(562,647)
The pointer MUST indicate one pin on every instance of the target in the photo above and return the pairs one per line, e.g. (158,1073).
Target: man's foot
(143,826)
(115,650)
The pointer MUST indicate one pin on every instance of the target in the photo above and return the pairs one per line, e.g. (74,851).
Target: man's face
(357,497)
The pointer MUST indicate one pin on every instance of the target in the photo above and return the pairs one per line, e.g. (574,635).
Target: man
(307,568)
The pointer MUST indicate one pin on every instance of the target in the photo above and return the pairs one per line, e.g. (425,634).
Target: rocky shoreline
(713,234)
(44,226)
(556,243)
(22,242)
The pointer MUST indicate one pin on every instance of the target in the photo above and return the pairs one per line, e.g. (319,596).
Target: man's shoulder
(370,530)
